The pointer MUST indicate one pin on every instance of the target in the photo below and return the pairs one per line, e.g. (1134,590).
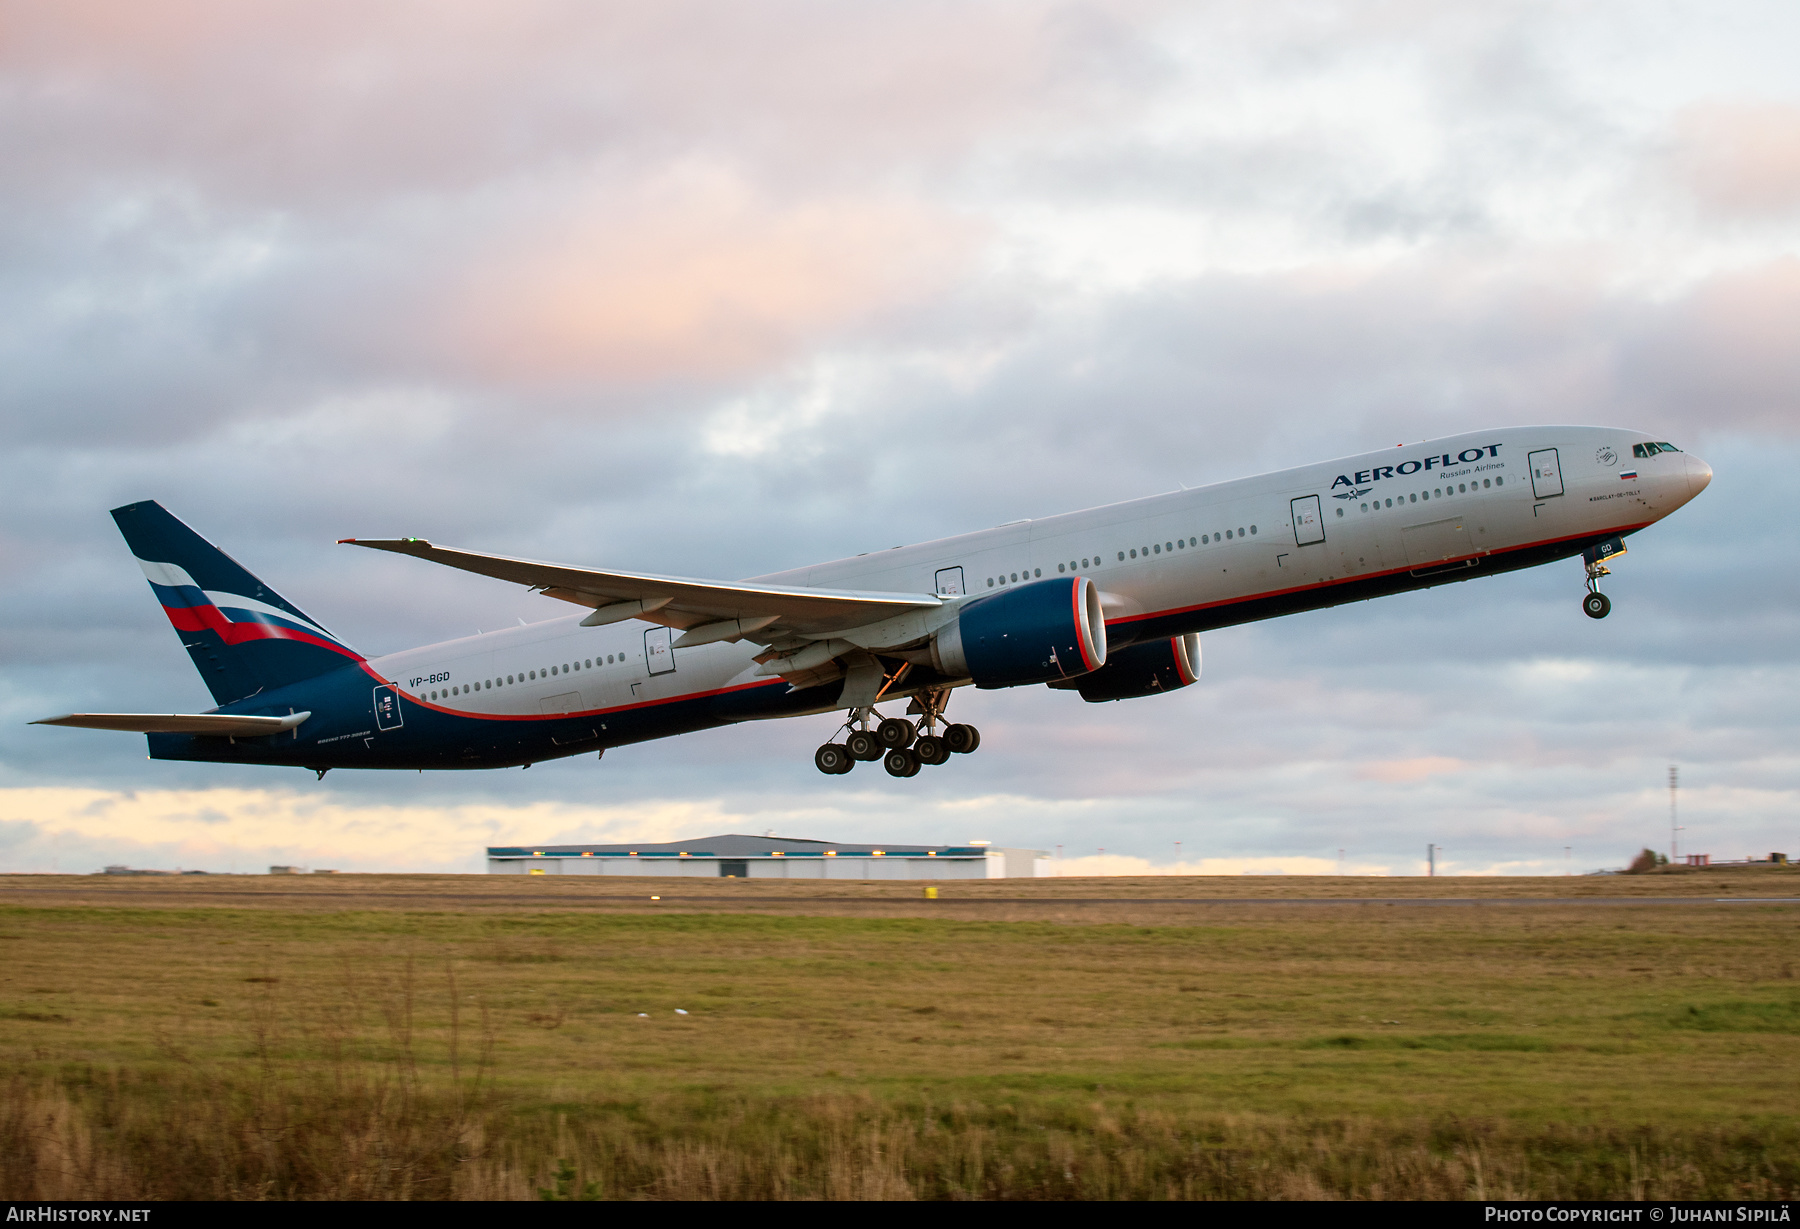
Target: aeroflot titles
(1467,456)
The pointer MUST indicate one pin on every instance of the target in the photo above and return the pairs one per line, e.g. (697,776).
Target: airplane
(1108,603)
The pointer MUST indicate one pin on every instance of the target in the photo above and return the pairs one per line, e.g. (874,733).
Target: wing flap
(675,601)
(217,725)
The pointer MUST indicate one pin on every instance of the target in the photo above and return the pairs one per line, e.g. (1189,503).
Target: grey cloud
(251,339)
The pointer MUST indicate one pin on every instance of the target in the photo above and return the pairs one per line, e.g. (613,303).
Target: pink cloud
(292,102)
(1409,770)
(693,272)
(1741,158)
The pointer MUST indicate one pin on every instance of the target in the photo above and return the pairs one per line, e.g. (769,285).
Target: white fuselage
(1185,561)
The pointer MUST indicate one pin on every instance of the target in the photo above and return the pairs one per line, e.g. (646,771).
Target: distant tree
(1647,860)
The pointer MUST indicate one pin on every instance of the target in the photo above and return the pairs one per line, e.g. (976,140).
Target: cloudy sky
(717,289)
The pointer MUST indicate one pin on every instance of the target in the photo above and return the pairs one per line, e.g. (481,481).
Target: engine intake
(1049,630)
(1141,670)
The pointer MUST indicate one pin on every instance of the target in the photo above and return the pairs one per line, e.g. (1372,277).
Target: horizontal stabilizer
(217,725)
(675,601)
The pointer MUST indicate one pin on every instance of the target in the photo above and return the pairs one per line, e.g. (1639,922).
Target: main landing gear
(897,742)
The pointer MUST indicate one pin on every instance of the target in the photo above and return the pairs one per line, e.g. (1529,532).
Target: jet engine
(1049,630)
(1141,670)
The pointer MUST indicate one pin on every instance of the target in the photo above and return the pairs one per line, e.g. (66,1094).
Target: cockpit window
(1650,450)
(1668,447)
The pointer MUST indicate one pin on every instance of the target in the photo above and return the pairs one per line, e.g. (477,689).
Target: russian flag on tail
(244,637)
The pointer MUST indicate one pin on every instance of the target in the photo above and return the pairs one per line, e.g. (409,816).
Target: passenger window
(1340,510)
(1484,482)
(1500,482)
(1168,546)
(1413,498)
(1037,571)
(1228,534)
(1158,550)
(1059,567)
(1252,529)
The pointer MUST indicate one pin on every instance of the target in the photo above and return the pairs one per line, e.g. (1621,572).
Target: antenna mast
(1674,841)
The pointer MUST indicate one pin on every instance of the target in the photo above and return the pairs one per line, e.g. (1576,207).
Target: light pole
(1431,861)
(1674,840)
(1568,859)
(1340,862)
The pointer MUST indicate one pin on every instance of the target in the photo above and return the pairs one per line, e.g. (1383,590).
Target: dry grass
(167,1045)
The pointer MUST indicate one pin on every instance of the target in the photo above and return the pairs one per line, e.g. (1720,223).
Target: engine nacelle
(1049,630)
(1141,670)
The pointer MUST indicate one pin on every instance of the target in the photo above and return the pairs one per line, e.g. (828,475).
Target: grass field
(435,1037)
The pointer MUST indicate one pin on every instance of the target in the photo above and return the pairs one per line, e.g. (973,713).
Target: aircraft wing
(707,610)
(218,725)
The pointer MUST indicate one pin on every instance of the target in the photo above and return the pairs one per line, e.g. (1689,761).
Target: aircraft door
(387,709)
(950,582)
(1546,473)
(1309,522)
(658,657)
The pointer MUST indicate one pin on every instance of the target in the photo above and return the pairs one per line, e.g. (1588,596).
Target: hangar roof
(735,845)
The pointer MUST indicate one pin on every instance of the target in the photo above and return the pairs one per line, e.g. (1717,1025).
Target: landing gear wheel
(901,762)
(895,733)
(962,739)
(864,746)
(1596,605)
(930,749)
(833,759)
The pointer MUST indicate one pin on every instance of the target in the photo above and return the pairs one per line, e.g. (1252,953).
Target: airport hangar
(772,857)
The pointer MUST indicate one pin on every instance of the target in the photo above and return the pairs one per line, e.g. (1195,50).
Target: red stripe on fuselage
(1087,659)
(1345,580)
(211,619)
(438,707)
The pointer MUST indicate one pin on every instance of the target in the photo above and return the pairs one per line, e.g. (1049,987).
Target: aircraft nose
(1699,475)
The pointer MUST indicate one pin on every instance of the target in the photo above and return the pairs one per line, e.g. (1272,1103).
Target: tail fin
(243,636)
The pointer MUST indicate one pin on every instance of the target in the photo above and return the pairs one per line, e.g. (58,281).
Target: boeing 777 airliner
(1108,603)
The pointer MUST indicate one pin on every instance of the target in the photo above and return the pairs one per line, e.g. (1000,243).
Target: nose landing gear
(1596,605)
(900,745)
